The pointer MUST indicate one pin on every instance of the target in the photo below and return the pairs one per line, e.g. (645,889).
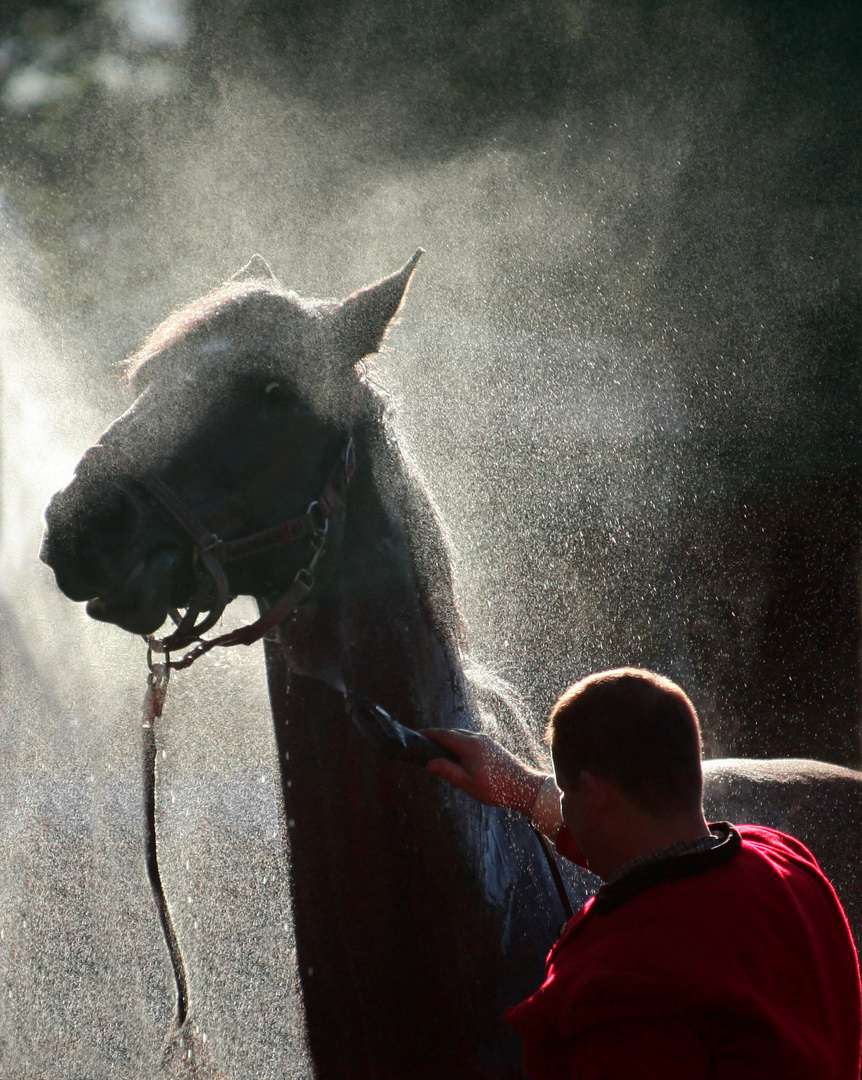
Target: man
(710,951)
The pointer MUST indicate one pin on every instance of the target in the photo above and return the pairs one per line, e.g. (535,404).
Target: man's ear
(596,792)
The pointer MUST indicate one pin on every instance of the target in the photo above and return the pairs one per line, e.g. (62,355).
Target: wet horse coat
(818,803)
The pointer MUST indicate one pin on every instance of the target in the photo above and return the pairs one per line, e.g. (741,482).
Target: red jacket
(744,969)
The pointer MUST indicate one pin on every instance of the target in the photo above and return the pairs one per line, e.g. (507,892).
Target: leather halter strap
(313,524)
(212,553)
(314,520)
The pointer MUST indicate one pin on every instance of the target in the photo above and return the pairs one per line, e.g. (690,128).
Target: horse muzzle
(101,552)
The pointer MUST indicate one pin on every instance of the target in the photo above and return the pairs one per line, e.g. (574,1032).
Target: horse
(815,801)
(419,915)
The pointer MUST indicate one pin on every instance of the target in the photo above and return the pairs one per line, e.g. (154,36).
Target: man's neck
(642,834)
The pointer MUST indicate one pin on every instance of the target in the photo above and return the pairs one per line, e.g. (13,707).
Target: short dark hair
(635,728)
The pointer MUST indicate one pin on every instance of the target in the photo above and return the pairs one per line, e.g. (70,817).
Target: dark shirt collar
(674,863)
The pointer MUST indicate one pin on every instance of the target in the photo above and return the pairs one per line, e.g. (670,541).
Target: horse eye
(268,389)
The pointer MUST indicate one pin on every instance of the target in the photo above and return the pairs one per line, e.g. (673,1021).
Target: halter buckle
(305,577)
(216,547)
(314,511)
(349,460)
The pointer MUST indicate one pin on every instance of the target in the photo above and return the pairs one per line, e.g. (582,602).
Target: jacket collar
(673,867)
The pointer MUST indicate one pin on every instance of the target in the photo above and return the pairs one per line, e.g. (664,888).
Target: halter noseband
(211,554)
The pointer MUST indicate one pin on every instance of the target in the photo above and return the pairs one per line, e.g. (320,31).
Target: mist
(628,368)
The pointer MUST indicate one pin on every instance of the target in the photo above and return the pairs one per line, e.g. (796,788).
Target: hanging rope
(154,701)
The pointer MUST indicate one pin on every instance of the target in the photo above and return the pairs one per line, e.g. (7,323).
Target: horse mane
(402,489)
(498,708)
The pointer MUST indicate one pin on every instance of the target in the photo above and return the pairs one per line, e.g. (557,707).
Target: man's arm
(491,775)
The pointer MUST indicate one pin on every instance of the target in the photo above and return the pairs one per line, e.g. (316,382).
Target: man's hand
(486,770)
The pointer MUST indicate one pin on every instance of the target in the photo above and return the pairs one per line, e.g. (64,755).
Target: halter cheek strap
(211,554)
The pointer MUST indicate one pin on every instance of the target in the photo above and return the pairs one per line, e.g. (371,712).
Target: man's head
(635,729)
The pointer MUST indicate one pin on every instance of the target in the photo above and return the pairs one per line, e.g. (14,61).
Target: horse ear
(362,319)
(256,269)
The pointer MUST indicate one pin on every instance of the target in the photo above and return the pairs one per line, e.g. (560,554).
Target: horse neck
(418,913)
(384,619)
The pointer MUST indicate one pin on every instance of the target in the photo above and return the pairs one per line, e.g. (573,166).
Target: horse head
(176,479)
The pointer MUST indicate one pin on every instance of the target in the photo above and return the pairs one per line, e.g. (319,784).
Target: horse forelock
(243,316)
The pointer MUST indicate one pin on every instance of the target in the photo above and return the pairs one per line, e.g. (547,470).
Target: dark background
(629,365)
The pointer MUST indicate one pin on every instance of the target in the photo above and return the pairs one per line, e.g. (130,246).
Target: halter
(211,554)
